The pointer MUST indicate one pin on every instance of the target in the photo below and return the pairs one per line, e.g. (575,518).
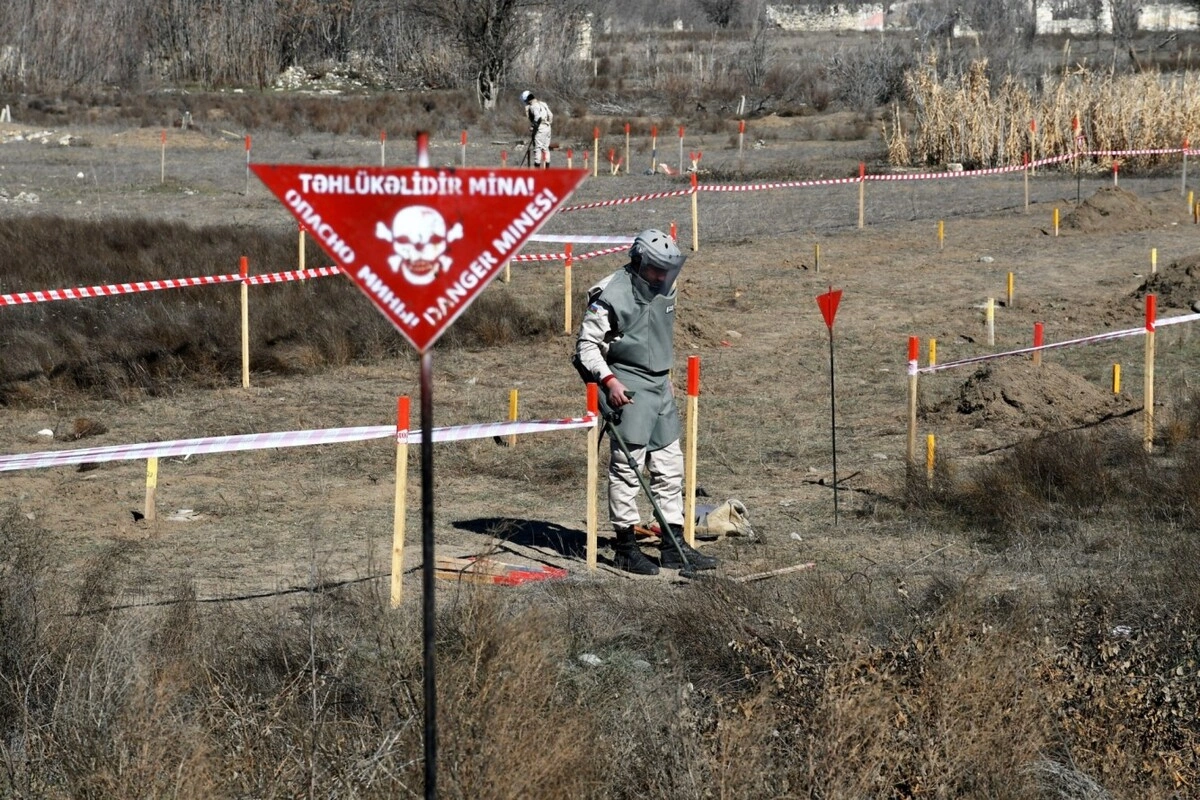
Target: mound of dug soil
(1175,286)
(1015,393)
(1111,210)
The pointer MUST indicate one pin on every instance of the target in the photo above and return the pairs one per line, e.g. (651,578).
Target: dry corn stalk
(966,119)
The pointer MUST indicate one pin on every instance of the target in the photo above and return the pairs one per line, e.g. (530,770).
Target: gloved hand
(617,394)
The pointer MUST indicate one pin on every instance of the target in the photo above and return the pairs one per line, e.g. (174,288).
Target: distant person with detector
(626,344)
(540,119)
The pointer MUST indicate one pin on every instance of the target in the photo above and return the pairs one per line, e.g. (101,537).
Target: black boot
(670,559)
(628,556)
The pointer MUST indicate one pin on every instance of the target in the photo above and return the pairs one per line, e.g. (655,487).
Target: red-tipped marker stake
(828,304)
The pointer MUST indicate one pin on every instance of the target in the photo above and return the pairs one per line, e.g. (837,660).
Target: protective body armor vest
(641,355)
(645,345)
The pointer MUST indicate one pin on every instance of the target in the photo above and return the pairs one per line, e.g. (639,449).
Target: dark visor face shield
(660,281)
(656,260)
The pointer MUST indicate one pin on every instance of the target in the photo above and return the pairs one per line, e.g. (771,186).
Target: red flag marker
(828,303)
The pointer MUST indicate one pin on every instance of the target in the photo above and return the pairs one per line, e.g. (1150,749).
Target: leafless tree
(556,57)
(1124,22)
(756,57)
(720,12)
(489,34)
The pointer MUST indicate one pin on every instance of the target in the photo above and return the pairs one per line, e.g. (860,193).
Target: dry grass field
(1021,625)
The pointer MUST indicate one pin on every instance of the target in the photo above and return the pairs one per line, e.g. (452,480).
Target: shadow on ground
(568,542)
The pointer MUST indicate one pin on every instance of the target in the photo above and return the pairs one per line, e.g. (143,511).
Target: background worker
(540,119)
(626,344)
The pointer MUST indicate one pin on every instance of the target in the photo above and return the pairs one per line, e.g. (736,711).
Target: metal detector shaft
(527,160)
(664,528)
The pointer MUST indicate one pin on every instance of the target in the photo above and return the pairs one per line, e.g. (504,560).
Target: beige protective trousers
(665,466)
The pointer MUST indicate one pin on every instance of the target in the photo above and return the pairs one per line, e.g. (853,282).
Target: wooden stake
(1056,222)
(1148,385)
(399,507)
(1116,379)
(695,216)
(1032,143)
(162,177)
(758,576)
(595,151)
(990,315)
(689,469)
(1008,298)
(151,487)
(626,148)
(512,415)
(1183,178)
(593,474)
(817,256)
(913,355)
(932,352)
(862,195)
(567,314)
(680,149)
(244,268)
(1025,158)
(1037,342)
(941,235)
(930,450)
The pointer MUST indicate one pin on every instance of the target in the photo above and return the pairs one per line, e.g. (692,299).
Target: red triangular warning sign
(420,242)
(829,305)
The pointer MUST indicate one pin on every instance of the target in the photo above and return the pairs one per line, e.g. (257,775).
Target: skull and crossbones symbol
(419,237)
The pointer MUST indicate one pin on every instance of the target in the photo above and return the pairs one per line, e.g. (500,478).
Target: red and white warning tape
(971,173)
(590,239)
(914,369)
(114,289)
(622,200)
(574,257)
(277,440)
(754,187)
(1158,152)
(294,275)
(18,298)
(488,430)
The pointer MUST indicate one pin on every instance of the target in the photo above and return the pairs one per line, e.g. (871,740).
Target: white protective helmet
(526,96)
(655,249)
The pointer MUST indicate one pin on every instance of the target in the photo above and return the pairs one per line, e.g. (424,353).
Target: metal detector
(527,159)
(611,418)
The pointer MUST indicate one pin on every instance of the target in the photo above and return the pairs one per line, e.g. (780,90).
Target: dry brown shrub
(923,715)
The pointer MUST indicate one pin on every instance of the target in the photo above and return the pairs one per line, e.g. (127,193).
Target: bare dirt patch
(1111,209)
(1024,399)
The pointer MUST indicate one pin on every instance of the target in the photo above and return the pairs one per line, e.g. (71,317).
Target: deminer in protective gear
(626,345)
(540,119)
